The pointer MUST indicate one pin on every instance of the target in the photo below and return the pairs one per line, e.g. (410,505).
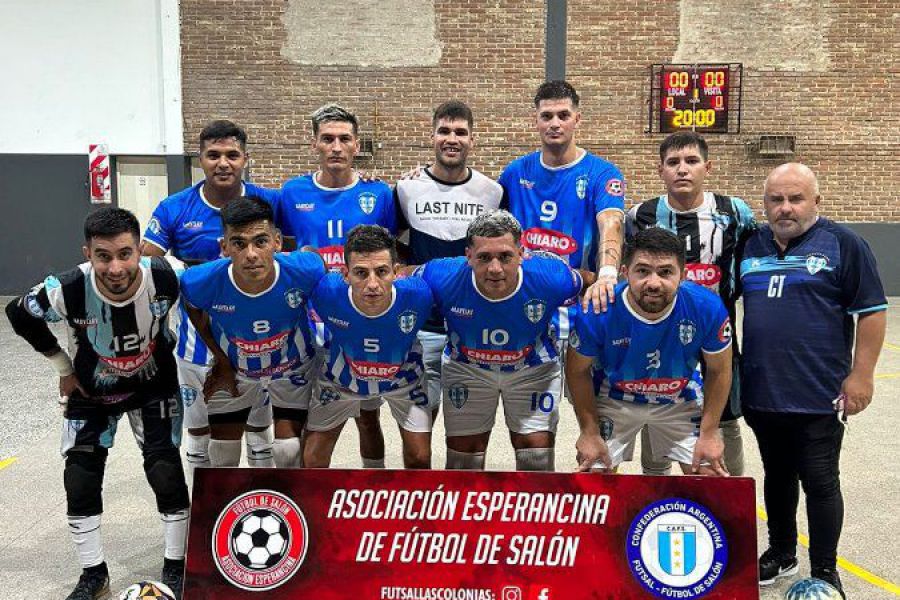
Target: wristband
(608,271)
(62,363)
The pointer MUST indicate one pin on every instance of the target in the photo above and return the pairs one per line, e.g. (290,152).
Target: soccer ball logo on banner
(260,540)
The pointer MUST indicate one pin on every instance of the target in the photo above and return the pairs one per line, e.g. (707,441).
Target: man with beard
(643,356)
(120,361)
(713,226)
(436,206)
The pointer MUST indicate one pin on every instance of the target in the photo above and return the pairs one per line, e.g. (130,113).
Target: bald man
(805,280)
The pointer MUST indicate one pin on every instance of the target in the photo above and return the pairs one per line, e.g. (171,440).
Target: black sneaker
(774,564)
(831,577)
(92,585)
(173,576)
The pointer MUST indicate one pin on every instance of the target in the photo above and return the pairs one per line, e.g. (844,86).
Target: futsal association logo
(535,309)
(367,201)
(816,263)
(407,321)
(581,185)
(676,549)
(260,540)
(458,395)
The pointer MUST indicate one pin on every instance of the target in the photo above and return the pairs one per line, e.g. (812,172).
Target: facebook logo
(539,592)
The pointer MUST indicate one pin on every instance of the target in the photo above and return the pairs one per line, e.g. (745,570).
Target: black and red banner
(451,535)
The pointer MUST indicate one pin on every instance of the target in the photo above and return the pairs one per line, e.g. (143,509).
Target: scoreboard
(694,97)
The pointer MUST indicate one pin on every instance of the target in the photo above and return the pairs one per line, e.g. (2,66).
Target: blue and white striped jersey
(653,362)
(263,334)
(507,334)
(322,217)
(372,355)
(189,227)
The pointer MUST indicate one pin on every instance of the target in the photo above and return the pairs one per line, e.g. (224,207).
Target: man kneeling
(642,357)
(371,350)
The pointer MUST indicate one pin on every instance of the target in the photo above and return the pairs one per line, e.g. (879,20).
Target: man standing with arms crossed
(188,226)
(569,201)
(319,210)
(804,279)
(436,206)
(712,227)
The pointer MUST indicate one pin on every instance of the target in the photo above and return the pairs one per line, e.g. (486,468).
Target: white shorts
(432,356)
(530,398)
(196,416)
(333,406)
(673,428)
(292,390)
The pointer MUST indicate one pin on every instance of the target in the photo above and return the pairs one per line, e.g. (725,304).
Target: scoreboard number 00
(693,97)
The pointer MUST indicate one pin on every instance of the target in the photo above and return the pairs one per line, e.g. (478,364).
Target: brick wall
(835,88)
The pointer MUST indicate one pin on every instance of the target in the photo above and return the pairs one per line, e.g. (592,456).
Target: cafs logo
(260,540)
(677,549)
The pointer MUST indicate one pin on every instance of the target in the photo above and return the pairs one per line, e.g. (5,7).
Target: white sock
(535,459)
(224,453)
(286,452)
(175,533)
(372,463)
(86,535)
(259,448)
(467,461)
(196,452)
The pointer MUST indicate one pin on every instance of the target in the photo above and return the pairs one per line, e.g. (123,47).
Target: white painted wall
(75,73)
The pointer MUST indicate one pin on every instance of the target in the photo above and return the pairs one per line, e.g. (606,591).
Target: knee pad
(535,459)
(467,461)
(83,479)
(166,478)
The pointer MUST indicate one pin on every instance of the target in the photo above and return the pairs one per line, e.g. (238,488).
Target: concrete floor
(37,559)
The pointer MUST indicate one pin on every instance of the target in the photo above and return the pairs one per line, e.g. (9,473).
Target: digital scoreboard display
(693,97)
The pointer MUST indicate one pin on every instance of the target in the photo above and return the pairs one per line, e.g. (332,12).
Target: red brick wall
(846,120)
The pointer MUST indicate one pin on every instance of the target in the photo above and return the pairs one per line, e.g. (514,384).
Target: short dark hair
(333,112)
(453,109)
(495,223)
(110,221)
(683,139)
(556,90)
(365,239)
(657,241)
(245,210)
(222,130)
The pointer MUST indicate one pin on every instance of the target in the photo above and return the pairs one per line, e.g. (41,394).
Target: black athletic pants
(801,449)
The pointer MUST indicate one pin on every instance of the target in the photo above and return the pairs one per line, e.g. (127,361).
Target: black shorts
(155,422)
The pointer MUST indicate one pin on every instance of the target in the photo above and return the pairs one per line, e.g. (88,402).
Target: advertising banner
(336,534)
